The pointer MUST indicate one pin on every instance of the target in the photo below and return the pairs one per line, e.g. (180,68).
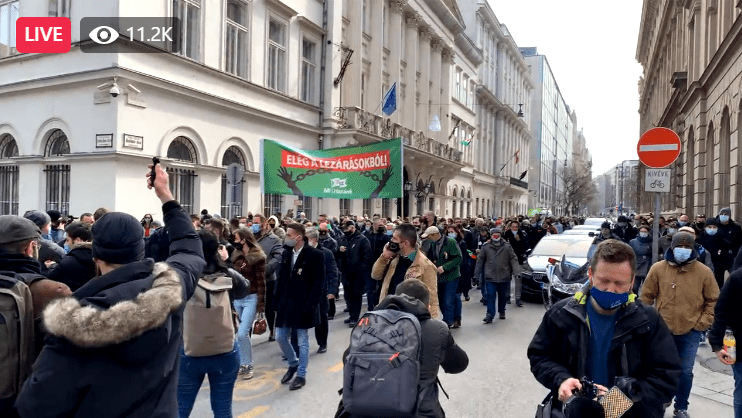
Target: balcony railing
(519,183)
(361,120)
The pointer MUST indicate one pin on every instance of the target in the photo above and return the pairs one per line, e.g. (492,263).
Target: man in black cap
(605,233)
(18,268)
(624,230)
(113,347)
(354,256)
(730,241)
(56,233)
(49,251)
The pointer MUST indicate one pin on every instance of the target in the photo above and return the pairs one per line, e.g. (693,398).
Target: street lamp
(520,109)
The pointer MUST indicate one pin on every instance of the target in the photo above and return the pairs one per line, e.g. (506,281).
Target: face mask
(724,218)
(323,234)
(312,244)
(272,225)
(255,228)
(681,254)
(608,300)
(381,230)
(389,232)
(394,247)
(66,248)
(495,239)
(289,242)
(700,224)
(682,223)
(452,235)
(711,231)
(644,234)
(622,224)
(348,233)
(671,231)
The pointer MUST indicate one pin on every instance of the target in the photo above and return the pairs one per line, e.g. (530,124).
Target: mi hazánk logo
(338,182)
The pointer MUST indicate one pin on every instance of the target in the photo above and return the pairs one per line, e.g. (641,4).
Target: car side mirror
(592,234)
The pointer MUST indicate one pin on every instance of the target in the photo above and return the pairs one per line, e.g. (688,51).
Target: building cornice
(649,15)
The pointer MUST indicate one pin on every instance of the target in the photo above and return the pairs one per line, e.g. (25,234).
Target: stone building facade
(691,54)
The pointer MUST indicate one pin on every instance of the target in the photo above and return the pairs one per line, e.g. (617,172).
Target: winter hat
(118,238)
(622,218)
(605,225)
(712,221)
(430,230)
(41,219)
(683,238)
(496,230)
(725,211)
(688,230)
(54,215)
(16,229)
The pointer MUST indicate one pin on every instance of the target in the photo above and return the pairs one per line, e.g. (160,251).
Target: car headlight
(570,288)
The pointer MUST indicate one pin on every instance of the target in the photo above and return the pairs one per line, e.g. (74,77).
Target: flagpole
(506,163)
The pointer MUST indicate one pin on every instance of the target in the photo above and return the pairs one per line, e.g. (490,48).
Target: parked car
(595,221)
(575,248)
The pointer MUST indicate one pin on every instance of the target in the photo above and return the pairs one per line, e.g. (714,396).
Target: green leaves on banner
(363,172)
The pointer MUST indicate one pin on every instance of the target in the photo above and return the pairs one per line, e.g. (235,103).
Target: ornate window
(183,181)
(8,146)
(233,155)
(57,144)
(182,149)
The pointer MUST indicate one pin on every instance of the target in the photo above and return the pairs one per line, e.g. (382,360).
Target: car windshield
(578,247)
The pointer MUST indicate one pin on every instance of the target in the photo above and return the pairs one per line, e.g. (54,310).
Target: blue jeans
(737,369)
(222,370)
(246,308)
(446,299)
(687,345)
(283,336)
(497,292)
(457,307)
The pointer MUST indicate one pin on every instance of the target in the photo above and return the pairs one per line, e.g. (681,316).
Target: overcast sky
(591,47)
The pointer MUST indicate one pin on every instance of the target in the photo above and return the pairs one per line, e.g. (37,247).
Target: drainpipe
(322,76)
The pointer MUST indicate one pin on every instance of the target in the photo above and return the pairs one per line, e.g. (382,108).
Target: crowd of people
(286,272)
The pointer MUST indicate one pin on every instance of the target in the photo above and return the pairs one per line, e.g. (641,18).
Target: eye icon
(104,35)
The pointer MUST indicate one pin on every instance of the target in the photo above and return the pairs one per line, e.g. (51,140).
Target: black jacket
(438,350)
(331,273)
(728,311)
(126,366)
(356,261)
(299,289)
(730,240)
(519,246)
(76,268)
(377,242)
(642,349)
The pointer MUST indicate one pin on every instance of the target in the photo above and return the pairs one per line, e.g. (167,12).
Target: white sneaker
(248,373)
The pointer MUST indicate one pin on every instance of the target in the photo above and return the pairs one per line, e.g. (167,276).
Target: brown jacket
(252,267)
(421,269)
(685,295)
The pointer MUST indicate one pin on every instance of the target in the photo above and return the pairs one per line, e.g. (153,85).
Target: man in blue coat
(113,347)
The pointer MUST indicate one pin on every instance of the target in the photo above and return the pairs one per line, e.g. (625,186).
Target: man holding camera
(608,336)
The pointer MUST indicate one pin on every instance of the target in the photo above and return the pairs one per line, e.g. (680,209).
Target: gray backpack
(382,371)
(16,336)
(208,328)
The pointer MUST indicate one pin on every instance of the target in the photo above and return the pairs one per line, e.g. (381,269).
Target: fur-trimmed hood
(85,325)
(254,255)
(84,244)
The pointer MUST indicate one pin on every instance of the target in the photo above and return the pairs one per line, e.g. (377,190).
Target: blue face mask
(609,300)
(66,248)
(255,228)
(452,235)
(723,218)
(711,231)
(389,232)
(682,223)
(681,254)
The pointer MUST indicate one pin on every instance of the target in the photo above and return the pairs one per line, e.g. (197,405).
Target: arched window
(8,177)
(709,169)
(461,203)
(57,144)
(183,181)
(8,146)
(468,204)
(453,206)
(233,155)
(182,149)
(724,152)
(57,175)
(690,170)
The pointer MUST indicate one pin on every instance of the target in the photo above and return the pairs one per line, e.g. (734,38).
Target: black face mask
(323,234)
(272,225)
(394,247)
(348,233)
(381,230)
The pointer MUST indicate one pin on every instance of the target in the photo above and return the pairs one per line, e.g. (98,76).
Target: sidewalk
(713,386)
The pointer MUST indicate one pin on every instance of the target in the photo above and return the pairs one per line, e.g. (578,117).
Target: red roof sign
(658,147)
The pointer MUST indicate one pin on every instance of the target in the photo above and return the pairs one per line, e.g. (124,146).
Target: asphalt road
(498,382)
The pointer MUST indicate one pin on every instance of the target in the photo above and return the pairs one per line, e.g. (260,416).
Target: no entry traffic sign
(658,147)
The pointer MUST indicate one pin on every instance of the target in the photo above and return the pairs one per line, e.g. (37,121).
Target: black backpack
(382,371)
(16,337)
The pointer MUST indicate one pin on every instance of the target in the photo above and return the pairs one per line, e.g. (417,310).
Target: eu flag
(390,101)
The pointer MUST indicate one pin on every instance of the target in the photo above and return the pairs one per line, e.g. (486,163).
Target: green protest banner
(362,172)
(534,211)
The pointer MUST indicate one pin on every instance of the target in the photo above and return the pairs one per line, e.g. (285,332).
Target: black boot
(298,383)
(289,375)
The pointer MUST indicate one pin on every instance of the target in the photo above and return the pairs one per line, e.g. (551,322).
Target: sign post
(657,148)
